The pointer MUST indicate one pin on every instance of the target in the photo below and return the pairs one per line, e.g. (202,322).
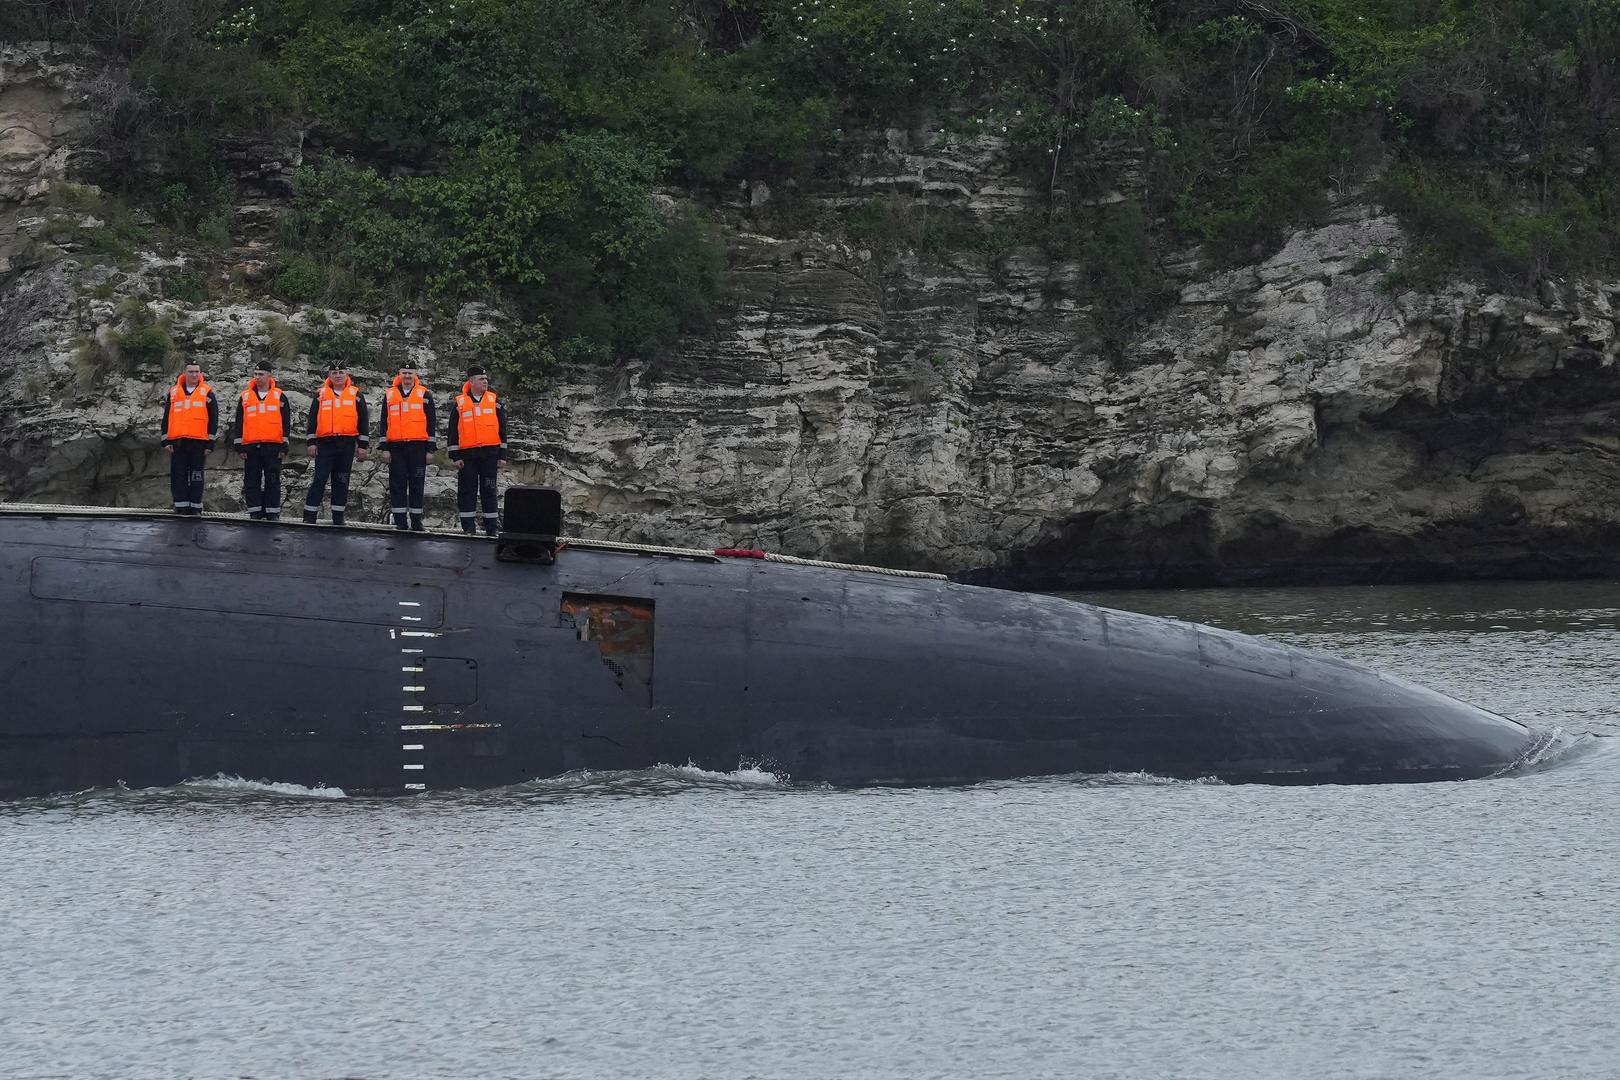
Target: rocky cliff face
(1306,418)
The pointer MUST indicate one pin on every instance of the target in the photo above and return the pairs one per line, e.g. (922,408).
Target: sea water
(684,924)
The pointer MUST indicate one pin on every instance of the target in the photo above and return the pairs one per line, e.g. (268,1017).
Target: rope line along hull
(146,650)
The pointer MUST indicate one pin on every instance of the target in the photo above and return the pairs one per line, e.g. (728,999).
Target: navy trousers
(186,475)
(476,482)
(334,460)
(407,475)
(261,480)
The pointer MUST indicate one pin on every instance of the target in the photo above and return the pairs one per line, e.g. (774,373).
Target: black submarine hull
(145,650)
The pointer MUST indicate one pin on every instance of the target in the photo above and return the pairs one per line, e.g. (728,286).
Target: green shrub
(148,345)
(565,229)
(193,89)
(299,281)
(344,346)
(116,238)
(175,201)
(1376,259)
(215,231)
(1126,283)
(86,198)
(285,342)
(187,285)
(666,290)
(97,356)
(524,138)
(1242,216)
(62,229)
(1515,245)
(140,340)
(520,359)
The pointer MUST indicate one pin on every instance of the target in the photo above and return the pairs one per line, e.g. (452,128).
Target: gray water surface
(674,923)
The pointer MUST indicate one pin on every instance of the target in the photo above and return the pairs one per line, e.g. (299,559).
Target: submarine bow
(145,649)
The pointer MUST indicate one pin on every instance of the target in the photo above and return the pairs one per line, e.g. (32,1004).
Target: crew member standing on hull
(338,432)
(260,431)
(477,444)
(190,423)
(407,433)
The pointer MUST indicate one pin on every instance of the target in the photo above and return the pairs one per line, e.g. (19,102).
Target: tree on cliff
(513,148)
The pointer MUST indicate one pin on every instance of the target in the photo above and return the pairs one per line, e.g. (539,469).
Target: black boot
(416,523)
(399,521)
(309,518)
(272,515)
(337,517)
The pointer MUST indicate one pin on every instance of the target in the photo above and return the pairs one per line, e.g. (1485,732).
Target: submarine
(143,649)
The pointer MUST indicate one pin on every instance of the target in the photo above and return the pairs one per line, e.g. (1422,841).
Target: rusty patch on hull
(622,629)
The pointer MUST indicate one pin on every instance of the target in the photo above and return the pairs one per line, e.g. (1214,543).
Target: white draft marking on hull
(448,727)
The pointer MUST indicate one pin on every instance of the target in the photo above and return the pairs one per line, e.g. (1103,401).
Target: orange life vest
(407,414)
(188,413)
(261,417)
(339,415)
(478,423)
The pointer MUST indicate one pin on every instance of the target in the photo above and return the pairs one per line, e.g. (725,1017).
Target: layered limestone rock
(51,100)
(1306,418)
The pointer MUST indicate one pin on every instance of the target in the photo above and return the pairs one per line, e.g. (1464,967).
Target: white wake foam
(1555,747)
(1114,779)
(746,775)
(237,785)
